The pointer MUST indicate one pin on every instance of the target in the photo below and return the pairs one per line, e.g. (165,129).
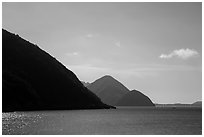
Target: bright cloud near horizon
(181,53)
(124,40)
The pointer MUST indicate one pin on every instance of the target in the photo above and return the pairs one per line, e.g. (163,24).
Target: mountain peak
(108,89)
(107,77)
(109,81)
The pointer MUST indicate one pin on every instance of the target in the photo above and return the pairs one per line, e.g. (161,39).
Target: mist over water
(124,120)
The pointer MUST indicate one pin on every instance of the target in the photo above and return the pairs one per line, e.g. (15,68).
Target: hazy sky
(152,47)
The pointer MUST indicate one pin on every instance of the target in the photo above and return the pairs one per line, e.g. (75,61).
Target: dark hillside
(32,79)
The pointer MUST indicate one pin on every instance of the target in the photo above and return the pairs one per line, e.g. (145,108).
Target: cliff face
(108,89)
(34,80)
(134,98)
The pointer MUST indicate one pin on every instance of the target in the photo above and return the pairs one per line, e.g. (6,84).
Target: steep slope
(134,98)
(108,89)
(34,80)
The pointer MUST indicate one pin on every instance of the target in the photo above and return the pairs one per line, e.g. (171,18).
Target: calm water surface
(124,120)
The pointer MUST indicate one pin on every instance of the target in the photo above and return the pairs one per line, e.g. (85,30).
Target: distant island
(195,104)
(34,80)
(115,93)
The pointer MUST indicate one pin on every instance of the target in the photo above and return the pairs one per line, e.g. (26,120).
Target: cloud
(89,35)
(75,53)
(118,44)
(181,53)
(72,54)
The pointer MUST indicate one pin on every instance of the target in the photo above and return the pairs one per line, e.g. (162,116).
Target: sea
(120,121)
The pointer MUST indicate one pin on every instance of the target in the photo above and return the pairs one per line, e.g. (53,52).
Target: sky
(155,48)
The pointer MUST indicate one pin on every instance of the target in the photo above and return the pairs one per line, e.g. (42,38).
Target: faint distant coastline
(195,104)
